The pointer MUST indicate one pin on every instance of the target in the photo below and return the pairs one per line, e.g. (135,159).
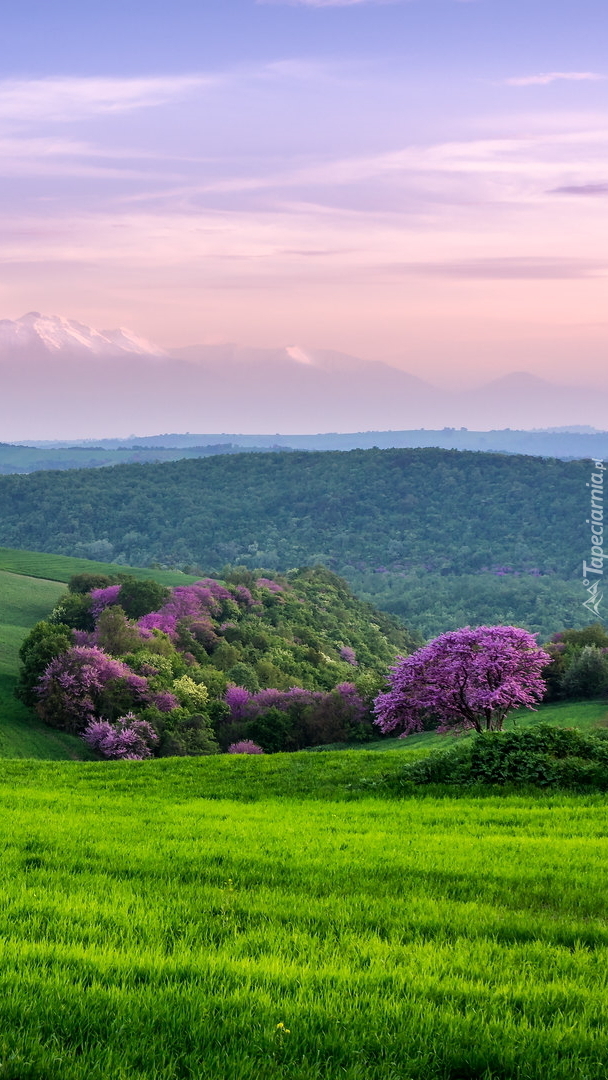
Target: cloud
(70,98)
(547,77)
(516,268)
(581,189)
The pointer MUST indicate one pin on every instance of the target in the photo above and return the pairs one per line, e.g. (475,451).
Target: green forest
(431,535)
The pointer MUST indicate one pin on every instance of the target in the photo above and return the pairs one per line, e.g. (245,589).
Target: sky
(423,182)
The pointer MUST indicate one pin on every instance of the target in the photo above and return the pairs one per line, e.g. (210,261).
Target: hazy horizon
(61,379)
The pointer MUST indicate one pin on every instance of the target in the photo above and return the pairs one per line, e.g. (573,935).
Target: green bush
(543,756)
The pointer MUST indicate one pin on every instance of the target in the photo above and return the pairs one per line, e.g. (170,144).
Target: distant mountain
(530,399)
(52,334)
(63,380)
(151,448)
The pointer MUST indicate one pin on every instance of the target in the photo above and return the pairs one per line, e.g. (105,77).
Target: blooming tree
(74,689)
(245,746)
(469,678)
(269,584)
(103,598)
(127,738)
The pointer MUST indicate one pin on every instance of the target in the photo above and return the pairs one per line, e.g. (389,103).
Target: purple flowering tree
(103,598)
(245,746)
(469,678)
(127,738)
(269,584)
(238,700)
(77,687)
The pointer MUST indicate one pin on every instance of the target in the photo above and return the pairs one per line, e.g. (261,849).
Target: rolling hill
(432,535)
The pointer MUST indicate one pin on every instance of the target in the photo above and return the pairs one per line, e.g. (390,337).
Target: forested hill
(430,510)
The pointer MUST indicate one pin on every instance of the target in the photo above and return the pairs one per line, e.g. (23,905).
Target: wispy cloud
(581,189)
(547,77)
(515,268)
(66,99)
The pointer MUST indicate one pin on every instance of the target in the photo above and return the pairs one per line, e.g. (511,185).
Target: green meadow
(286,917)
(211,919)
(62,567)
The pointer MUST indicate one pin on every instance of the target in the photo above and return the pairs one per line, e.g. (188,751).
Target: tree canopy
(469,678)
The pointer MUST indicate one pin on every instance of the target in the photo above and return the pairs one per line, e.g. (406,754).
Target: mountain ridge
(135,386)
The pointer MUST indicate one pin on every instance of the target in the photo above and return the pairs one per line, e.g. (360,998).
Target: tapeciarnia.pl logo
(594,569)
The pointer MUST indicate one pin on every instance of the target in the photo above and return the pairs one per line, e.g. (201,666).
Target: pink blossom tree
(469,678)
(127,738)
(83,684)
(245,746)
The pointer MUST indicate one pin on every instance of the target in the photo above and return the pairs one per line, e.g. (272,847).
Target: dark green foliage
(225,656)
(586,674)
(74,610)
(542,756)
(43,644)
(139,598)
(579,667)
(596,634)
(434,602)
(424,514)
(115,635)
(83,583)
(184,734)
(274,731)
(244,675)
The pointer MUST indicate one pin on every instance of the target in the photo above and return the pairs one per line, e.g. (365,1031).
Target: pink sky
(444,210)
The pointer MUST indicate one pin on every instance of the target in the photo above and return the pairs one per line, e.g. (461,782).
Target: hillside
(27,459)
(305,631)
(24,601)
(30,586)
(423,516)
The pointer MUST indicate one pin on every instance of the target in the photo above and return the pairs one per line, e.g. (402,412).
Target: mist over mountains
(64,380)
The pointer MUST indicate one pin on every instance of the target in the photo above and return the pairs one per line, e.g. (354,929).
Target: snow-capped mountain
(62,379)
(54,334)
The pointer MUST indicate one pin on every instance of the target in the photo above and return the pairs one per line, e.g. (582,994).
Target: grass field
(155,928)
(62,567)
(283,917)
(23,602)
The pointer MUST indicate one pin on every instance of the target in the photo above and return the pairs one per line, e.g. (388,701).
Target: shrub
(245,746)
(192,695)
(586,676)
(139,598)
(184,734)
(244,675)
(127,737)
(45,642)
(115,634)
(542,756)
(75,611)
(85,583)
(103,598)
